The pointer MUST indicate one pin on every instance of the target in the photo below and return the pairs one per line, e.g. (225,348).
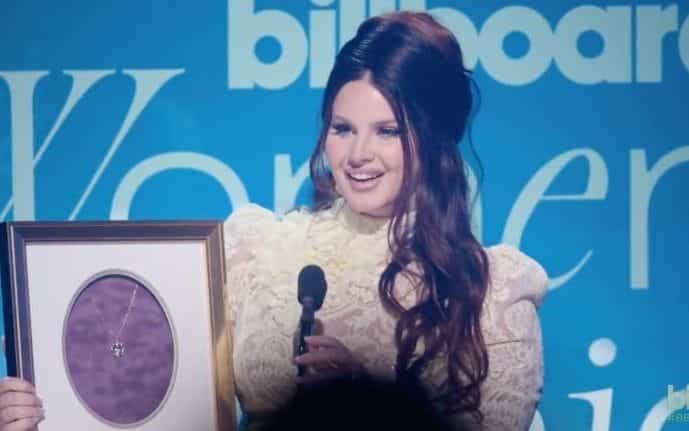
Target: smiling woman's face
(364,149)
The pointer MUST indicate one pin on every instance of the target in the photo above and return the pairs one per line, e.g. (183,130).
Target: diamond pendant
(117,349)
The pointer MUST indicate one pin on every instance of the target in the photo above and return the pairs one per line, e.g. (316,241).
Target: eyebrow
(376,123)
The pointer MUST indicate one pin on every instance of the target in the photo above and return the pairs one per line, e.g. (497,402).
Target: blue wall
(164,109)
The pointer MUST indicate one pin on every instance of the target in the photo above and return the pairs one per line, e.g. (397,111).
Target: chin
(369,205)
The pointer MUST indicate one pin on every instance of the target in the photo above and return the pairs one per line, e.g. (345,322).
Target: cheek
(394,158)
(334,154)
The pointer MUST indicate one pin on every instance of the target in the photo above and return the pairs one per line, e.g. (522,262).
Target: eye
(341,128)
(389,132)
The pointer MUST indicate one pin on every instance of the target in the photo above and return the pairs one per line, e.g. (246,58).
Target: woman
(412,296)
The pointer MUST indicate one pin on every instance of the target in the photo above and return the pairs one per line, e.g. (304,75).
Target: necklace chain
(116,346)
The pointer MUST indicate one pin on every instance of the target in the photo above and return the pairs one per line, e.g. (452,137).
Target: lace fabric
(264,256)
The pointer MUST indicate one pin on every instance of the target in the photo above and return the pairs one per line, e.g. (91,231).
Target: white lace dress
(264,256)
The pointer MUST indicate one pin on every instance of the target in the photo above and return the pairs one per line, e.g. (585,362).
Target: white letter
(516,71)
(286,185)
(146,169)
(683,43)
(655,418)
(614,63)
(245,29)
(642,184)
(415,5)
(463,29)
(601,401)
(652,24)
(675,400)
(21,86)
(377,7)
(534,192)
(322,44)
(146,85)
(22,131)
(352,13)
(537,423)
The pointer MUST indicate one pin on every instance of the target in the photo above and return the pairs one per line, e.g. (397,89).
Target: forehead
(359,101)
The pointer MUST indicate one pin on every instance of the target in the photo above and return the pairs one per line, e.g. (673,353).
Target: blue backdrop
(168,109)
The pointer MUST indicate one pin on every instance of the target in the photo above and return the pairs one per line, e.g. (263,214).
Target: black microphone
(311,292)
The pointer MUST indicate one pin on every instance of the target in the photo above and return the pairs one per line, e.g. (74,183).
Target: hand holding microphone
(329,358)
(326,356)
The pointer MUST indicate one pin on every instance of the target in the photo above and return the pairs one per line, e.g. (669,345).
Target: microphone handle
(304,331)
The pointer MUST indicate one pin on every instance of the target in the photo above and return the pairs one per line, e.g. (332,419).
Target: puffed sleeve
(247,229)
(512,332)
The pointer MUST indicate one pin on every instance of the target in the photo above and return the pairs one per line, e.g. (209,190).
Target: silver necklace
(117,347)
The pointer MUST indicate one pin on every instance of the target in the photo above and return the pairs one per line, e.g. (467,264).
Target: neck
(360,222)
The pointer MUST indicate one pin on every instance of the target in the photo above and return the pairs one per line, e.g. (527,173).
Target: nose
(360,153)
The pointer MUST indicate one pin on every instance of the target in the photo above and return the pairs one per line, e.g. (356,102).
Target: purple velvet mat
(126,389)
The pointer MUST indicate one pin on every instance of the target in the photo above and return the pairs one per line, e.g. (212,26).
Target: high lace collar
(357,222)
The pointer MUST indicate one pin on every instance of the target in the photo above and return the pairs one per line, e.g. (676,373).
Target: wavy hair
(417,65)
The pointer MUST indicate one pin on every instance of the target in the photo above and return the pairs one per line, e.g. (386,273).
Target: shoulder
(515,276)
(248,220)
(512,333)
(252,224)
(247,213)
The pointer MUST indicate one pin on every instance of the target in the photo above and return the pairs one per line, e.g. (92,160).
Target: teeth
(363,177)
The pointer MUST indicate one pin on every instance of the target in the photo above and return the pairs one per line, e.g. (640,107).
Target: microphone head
(312,285)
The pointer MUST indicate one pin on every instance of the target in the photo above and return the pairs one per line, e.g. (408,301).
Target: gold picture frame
(44,266)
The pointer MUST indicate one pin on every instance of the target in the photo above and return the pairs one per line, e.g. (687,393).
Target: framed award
(120,325)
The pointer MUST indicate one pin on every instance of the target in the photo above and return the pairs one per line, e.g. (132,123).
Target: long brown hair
(417,65)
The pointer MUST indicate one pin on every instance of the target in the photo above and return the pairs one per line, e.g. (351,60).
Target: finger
(322,341)
(23,424)
(14,398)
(325,366)
(11,414)
(16,384)
(318,357)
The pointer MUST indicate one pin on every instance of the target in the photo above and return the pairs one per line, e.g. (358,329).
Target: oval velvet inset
(119,349)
